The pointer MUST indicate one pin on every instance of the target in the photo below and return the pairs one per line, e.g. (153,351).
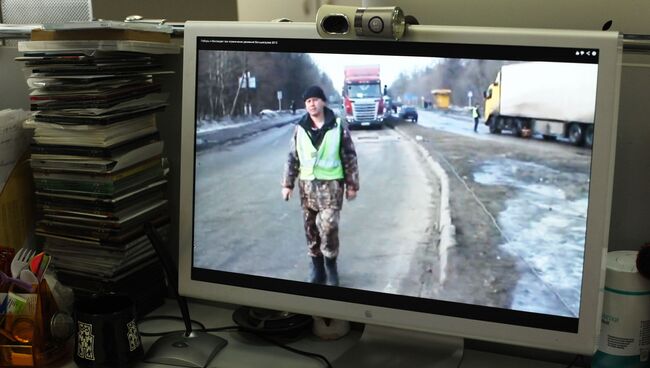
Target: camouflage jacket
(348,153)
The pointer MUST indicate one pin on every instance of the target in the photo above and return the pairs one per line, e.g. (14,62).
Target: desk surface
(241,352)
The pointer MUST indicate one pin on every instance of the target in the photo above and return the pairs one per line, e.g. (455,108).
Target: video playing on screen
(458,174)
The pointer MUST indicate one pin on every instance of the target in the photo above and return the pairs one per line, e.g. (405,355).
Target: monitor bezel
(583,341)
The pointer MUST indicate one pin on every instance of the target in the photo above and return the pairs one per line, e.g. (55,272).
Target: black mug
(107,334)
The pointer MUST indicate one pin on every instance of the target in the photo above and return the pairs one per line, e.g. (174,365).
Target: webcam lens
(376,25)
(336,24)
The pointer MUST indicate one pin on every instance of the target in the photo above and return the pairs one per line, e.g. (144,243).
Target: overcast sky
(390,66)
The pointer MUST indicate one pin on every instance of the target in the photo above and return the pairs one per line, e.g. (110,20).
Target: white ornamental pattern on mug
(133,335)
(86,341)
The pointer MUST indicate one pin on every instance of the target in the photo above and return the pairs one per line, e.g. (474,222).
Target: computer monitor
(496,234)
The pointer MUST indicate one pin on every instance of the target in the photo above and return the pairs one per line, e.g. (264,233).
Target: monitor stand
(390,347)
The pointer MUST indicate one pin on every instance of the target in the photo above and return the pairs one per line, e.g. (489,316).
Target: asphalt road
(519,208)
(243,225)
(464,125)
(508,253)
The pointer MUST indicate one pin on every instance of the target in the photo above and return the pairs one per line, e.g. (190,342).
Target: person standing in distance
(323,159)
(476,114)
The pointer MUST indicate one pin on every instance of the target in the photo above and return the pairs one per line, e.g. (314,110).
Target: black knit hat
(314,91)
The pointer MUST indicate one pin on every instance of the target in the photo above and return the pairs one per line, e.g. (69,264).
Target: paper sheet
(16,188)
(13,141)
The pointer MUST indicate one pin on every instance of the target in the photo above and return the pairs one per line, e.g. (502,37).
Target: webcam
(335,21)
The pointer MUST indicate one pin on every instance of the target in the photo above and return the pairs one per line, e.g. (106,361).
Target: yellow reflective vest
(323,163)
(475,113)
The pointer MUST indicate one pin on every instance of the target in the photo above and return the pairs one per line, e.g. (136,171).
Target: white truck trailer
(546,98)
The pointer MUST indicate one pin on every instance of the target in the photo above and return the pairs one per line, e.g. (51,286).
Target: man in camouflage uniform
(323,158)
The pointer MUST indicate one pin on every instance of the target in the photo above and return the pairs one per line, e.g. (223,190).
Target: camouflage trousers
(321,202)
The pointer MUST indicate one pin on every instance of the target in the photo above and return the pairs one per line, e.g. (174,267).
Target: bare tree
(219,91)
(458,75)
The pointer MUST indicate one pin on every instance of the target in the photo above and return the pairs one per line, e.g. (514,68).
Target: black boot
(317,270)
(332,271)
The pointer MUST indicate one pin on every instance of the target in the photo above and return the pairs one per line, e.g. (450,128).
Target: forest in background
(219,94)
(458,75)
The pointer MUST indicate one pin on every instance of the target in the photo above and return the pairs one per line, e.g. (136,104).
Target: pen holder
(107,334)
(30,328)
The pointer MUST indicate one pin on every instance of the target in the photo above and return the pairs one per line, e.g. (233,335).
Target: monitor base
(390,347)
(195,350)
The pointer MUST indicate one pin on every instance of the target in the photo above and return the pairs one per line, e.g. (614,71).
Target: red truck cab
(363,103)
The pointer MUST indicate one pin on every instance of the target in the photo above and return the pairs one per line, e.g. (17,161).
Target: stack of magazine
(97,160)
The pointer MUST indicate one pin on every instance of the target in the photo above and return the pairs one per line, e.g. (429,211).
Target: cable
(288,348)
(460,362)
(218,329)
(173,318)
(273,342)
(234,328)
(575,360)
(264,337)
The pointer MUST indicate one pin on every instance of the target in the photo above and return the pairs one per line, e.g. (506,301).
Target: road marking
(387,136)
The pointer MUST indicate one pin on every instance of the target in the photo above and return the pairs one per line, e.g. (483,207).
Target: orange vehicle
(441,98)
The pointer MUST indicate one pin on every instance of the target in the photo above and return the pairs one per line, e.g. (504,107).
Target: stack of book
(97,157)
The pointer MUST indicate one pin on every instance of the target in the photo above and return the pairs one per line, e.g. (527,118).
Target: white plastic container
(625,331)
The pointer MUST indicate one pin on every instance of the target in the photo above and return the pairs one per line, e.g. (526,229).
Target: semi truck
(549,99)
(363,103)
